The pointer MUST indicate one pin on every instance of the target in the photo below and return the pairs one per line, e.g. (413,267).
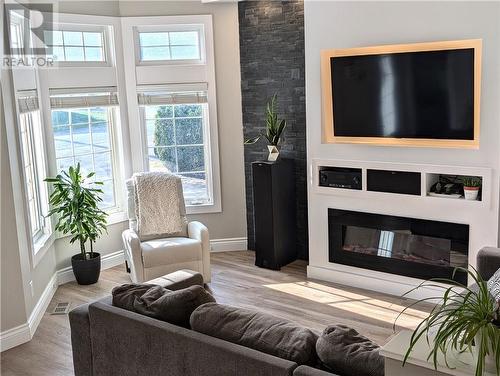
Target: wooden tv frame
(328,133)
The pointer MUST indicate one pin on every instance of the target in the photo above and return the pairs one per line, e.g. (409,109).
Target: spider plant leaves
(74,201)
(463,316)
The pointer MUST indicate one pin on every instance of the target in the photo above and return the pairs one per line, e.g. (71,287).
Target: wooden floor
(235,281)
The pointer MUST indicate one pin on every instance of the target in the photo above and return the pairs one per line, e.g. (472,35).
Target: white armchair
(154,256)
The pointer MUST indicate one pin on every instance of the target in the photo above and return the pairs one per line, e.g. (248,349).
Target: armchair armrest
(488,261)
(197,230)
(133,252)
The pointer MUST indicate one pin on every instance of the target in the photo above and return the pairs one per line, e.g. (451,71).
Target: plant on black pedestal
(274,129)
(75,203)
(466,319)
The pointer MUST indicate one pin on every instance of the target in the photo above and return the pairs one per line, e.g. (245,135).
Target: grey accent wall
(272,61)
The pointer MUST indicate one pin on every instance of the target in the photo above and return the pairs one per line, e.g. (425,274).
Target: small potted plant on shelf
(467,319)
(274,129)
(472,184)
(75,201)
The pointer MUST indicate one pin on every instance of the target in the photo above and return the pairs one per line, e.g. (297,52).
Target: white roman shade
(83,97)
(172,94)
(27,100)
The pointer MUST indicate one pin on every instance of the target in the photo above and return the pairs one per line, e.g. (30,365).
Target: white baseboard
(25,332)
(110,260)
(15,337)
(228,244)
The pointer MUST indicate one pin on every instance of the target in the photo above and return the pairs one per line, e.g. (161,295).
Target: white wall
(355,24)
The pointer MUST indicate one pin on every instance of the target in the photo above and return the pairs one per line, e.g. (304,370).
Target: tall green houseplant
(75,201)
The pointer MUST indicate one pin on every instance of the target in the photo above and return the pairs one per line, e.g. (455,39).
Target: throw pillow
(344,351)
(259,331)
(494,285)
(174,307)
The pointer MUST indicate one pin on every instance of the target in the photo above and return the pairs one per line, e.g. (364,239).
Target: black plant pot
(86,270)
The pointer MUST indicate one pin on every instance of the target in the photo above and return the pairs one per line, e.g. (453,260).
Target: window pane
(93,54)
(103,169)
(80,116)
(73,38)
(81,139)
(58,53)
(189,131)
(162,159)
(64,164)
(185,110)
(153,39)
(155,53)
(74,53)
(60,117)
(98,114)
(185,52)
(62,141)
(100,137)
(160,132)
(86,165)
(191,158)
(184,38)
(92,39)
(108,198)
(195,189)
(153,112)
(53,38)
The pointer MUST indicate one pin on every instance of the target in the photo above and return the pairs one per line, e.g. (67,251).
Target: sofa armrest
(488,261)
(310,371)
(133,251)
(80,340)
(197,230)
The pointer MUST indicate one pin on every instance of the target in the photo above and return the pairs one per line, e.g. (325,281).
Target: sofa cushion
(259,331)
(494,285)
(167,251)
(155,301)
(344,351)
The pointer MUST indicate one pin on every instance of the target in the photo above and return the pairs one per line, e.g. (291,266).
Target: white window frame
(105,30)
(116,211)
(199,28)
(170,73)
(206,150)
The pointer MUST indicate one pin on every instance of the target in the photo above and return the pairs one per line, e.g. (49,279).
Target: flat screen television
(424,94)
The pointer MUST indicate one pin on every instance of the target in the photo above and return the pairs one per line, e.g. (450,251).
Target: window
(178,44)
(76,45)
(16,34)
(83,133)
(33,162)
(29,121)
(177,140)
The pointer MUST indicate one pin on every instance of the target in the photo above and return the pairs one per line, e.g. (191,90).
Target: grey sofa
(109,341)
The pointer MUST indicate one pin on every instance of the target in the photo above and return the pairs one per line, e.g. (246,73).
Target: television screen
(427,95)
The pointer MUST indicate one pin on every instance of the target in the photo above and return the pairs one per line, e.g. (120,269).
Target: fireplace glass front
(405,246)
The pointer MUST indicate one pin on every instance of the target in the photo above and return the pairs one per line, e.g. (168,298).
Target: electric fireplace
(406,246)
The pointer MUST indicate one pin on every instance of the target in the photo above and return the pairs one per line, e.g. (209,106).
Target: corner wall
(272,61)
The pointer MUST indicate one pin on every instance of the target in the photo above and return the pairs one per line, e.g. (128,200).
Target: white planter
(273,153)
(470,193)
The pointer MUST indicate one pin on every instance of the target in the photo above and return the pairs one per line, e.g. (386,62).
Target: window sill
(41,246)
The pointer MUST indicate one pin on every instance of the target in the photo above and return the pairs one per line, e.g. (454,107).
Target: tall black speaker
(274,213)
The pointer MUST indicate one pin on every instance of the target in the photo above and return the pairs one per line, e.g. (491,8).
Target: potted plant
(274,129)
(467,319)
(471,187)
(74,201)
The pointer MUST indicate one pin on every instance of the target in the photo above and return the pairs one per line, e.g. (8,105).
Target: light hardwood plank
(236,281)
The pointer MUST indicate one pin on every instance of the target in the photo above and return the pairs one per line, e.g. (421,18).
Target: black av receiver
(340,177)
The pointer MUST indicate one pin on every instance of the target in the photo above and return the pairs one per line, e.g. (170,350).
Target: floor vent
(61,309)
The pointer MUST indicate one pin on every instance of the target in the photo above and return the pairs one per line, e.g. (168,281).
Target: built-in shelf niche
(433,178)
(429,175)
